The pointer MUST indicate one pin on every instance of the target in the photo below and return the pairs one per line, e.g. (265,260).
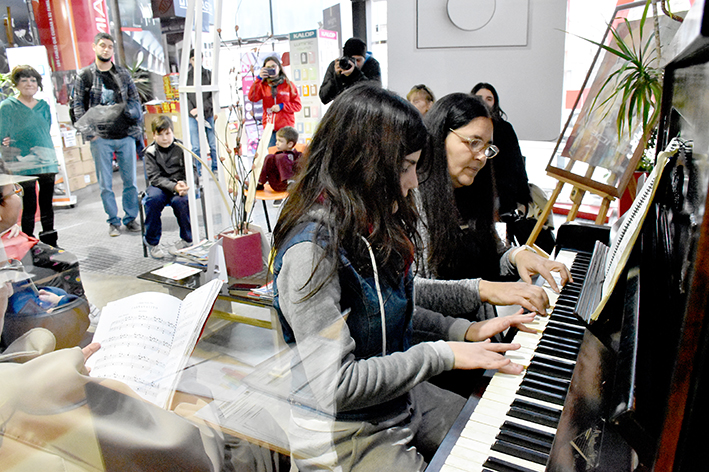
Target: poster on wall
(311,53)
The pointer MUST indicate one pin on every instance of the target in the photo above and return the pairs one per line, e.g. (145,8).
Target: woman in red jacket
(279,95)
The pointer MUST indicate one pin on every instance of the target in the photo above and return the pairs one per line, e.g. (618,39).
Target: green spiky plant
(637,83)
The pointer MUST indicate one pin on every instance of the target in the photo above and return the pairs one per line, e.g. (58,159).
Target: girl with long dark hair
(345,243)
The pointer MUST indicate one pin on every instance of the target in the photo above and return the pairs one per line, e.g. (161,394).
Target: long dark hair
(451,250)
(352,170)
(497,112)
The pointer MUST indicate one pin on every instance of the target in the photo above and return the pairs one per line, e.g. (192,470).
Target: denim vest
(359,295)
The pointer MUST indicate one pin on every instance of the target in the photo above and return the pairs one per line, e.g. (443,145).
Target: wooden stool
(269,194)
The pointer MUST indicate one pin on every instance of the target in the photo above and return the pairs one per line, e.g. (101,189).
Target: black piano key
(574,344)
(551,351)
(520,451)
(547,380)
(563,333)
(531,383)
(541,395)
(548,369)
(561,363)
(498,465)
(534,417)
(553,342)
(541,409)
(530,442)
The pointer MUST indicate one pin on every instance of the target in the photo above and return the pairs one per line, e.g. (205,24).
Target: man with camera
(356,65)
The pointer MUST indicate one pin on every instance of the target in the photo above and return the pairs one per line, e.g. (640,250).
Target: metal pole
(120,56)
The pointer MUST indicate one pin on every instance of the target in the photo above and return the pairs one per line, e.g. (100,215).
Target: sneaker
(114,230)
(181,244)
(133,226)
(156,252)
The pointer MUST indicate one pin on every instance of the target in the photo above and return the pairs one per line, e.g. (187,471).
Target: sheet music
(624,241)
(146,339)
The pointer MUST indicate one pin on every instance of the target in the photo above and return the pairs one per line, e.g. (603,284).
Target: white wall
(528,78)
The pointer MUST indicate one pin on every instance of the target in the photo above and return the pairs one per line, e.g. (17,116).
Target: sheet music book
(147,338)
(628,233)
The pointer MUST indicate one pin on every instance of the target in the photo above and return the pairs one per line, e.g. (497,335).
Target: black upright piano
(636,397)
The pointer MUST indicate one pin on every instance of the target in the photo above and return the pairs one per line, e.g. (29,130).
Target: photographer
(279,95)
(356,65)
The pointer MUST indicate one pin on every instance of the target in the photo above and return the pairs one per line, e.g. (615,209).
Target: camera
(345,62)
(271,71)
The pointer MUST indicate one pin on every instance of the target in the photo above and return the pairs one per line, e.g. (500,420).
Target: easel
(593,137)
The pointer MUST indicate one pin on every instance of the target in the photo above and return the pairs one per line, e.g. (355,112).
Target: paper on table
(176,271)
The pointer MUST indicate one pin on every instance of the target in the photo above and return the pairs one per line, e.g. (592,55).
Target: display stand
(195,15)
(311,53)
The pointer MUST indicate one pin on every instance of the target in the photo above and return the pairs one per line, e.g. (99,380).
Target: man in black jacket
(361,66)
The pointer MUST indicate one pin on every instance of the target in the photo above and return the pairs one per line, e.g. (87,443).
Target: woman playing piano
(343,284)
(456,203)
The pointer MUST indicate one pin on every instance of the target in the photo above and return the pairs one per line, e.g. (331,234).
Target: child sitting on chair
(280,167)
(167,185)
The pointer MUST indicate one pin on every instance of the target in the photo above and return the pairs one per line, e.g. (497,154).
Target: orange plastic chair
(269,194)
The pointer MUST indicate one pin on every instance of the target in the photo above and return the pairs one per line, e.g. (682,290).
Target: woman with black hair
(462,268)
(279,95)
(343,285)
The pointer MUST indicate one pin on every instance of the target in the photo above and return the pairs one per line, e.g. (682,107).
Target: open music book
(147,338)
(624,241)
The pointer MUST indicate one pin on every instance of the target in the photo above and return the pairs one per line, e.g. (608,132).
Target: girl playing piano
(343,284)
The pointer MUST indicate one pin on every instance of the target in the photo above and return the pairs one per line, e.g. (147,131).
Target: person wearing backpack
(108,113)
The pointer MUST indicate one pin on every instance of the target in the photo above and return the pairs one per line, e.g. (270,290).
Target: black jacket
(334,84)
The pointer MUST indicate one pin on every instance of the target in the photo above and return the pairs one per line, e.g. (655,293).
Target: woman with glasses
(27,149)
(457,203)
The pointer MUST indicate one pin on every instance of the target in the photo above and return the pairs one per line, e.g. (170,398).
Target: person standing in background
(421,97)
(209,116)
(104,84)
(279,95)
(24,124)
(508,166)
(356,65)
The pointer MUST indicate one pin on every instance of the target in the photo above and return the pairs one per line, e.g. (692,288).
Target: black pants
(29,202)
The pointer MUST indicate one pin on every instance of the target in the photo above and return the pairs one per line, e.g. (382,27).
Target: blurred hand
(194,112)
(483,330)
(275,108)
(6,141)
(526,295)
(89,351)
(484,355)
(14,231)
(181,188)
(529,264)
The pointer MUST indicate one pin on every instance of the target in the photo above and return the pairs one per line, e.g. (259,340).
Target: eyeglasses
(478,145)
(16,190)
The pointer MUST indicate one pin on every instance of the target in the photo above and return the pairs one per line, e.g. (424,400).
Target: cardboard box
(74,169)
(86,152)
(90,178)
(76,183)
(89,167)
(71,154)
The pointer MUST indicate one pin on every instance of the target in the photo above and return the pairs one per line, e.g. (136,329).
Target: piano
(628,391)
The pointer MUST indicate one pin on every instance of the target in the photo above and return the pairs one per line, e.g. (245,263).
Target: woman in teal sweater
(28,148)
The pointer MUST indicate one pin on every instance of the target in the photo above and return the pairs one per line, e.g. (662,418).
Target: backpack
(85,74)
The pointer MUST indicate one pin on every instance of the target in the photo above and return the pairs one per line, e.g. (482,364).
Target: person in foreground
(343,283)
(463,268)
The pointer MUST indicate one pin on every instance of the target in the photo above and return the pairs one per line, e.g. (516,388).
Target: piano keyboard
(513,426)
